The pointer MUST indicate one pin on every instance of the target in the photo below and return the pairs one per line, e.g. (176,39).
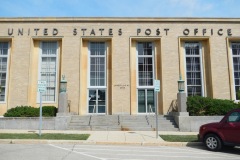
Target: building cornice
(116,19)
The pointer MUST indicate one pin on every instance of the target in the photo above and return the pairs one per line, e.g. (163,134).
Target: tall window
(145,62)
(48,69)
(236,68)
(4,47)
(97,77)
(194,73)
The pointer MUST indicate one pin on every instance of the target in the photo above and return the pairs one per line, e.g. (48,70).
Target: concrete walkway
(107,137)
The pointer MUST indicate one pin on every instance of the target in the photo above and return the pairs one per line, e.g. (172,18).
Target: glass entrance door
(97,101)
(146,101)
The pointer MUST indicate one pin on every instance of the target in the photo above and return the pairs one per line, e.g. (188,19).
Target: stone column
(181,102)
(63,103)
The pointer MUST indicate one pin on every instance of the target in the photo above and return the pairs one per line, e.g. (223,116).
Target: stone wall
(192,123)
(32,123)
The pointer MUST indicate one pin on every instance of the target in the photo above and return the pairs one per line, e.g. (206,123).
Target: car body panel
(228,129)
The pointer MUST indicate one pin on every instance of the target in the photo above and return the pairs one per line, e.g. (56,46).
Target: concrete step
(165,123)
(82,128)
(122,122)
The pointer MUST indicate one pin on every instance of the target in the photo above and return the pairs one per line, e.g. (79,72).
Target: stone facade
(120,35)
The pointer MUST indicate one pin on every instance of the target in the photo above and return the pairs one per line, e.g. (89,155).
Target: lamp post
(181,84)
(63,97)
(181,96)
(63,84)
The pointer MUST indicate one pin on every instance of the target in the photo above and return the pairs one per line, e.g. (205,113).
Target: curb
(19,141)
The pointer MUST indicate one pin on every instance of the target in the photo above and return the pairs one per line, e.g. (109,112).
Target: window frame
(145,88)
(89,66)
(234,84)
(89,87)
(153,65)
(7,71)
(57,70)
(201,66)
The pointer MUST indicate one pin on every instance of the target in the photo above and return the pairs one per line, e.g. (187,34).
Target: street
(110,152)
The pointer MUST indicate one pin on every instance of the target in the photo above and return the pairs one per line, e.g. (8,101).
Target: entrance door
(97,101)
(146,101)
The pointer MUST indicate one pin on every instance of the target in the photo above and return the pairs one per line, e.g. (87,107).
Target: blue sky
(120,8)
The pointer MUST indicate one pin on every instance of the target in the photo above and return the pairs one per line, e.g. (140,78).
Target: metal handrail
(94,108)
(151,110)
(151,113)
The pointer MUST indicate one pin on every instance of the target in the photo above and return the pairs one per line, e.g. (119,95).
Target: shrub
(205,106)
(49,111)
(28,111)
(22,111)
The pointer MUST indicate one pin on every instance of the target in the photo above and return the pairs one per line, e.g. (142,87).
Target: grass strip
(180,138)
(49,136)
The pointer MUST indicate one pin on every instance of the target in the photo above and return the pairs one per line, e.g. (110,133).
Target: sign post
(156,90)
(42,87)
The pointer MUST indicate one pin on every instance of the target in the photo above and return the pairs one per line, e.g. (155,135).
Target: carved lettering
(204,31)
(55,31)
(36,31)
(186,32)
(110,32)
(220,32)
(138,31)
(45,31)
(101,30)
(120,32)
(166,29)
(74,31)
(83,29)
(148,32)
(229,32)
(20,31)
(158,32)
(92,32)
(195,31)
(10,32)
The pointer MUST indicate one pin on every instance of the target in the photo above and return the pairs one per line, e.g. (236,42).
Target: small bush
(205,106)
(22,111)
(28,111)
(49,111)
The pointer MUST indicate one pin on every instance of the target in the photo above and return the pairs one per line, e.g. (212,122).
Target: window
(194,73)
(234,117)
(236,68)
(145,71)
(97,76)
(4,52)
(48,69)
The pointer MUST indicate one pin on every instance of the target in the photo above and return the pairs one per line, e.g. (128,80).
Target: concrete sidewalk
(107,137)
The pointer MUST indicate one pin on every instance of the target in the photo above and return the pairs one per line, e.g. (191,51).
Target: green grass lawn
(49,136)
(180,138)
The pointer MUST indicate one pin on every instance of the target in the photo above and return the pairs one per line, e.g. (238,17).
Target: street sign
(157,85)
(42,86)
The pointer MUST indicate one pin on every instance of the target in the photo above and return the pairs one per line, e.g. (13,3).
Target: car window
(234,117)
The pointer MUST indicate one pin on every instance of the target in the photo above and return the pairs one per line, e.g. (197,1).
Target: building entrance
(97,101)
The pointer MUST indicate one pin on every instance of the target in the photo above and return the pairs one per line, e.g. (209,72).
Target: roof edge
(116,19)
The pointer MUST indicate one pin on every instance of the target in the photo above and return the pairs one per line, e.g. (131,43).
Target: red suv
(223,133)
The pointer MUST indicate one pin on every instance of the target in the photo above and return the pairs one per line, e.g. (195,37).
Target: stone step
(83,128)
(122,122)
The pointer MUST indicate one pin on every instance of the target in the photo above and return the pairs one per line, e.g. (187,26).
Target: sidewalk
(107,137)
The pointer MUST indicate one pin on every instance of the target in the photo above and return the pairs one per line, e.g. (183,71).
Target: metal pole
(156,112)
(40,115)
